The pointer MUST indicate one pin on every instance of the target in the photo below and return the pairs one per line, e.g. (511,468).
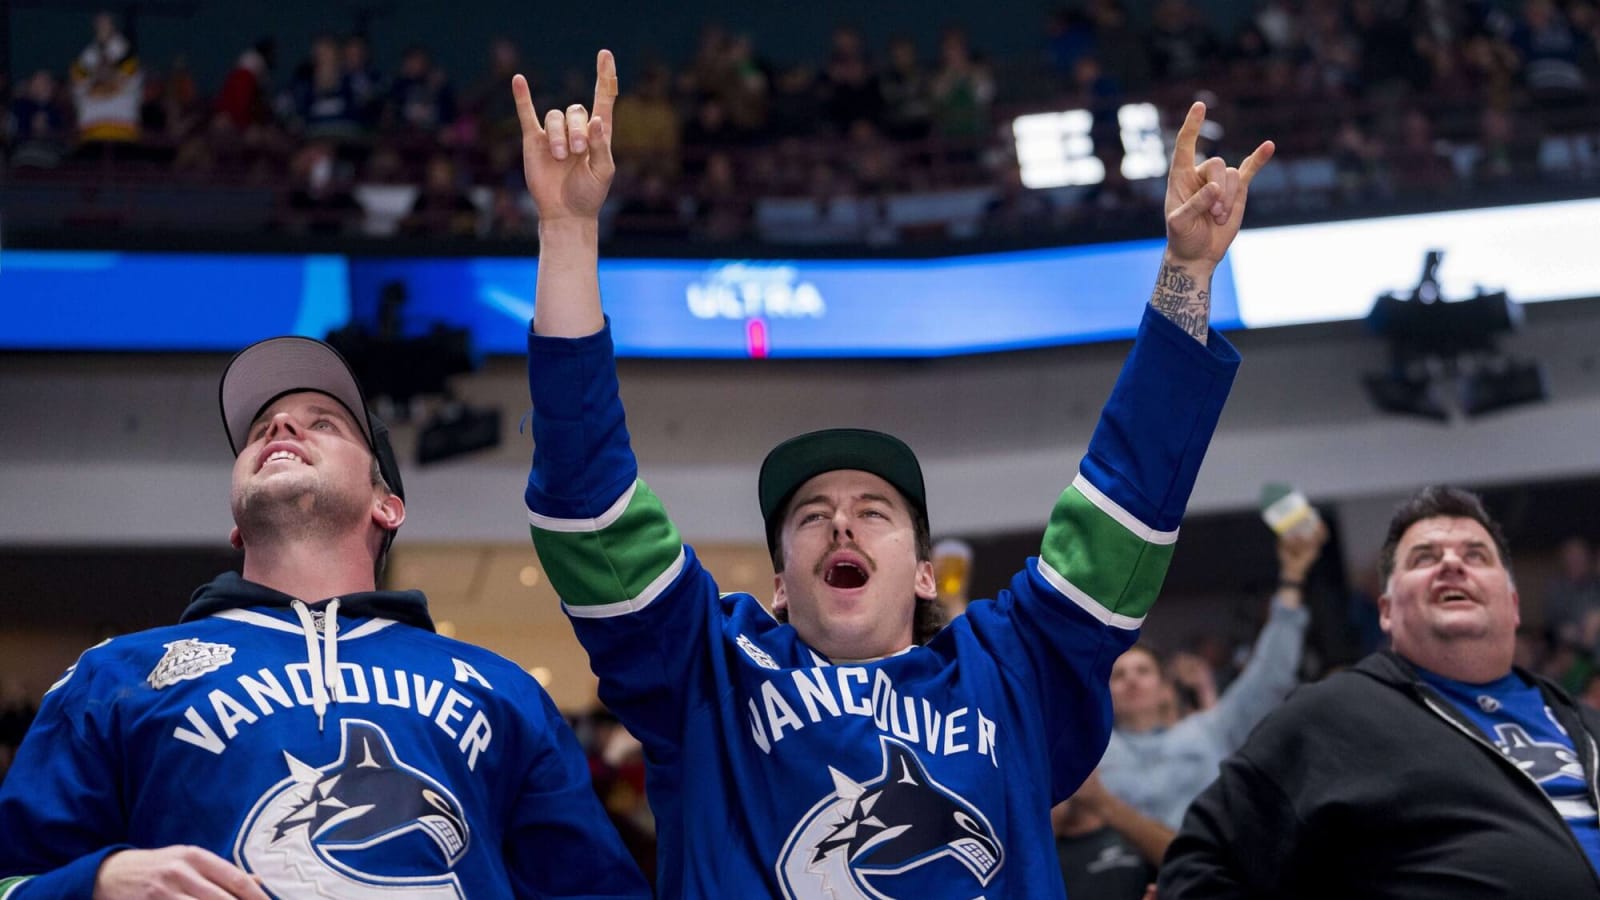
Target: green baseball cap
(800,459)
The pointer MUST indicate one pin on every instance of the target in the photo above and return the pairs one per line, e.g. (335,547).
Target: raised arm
(1205,204)
(568,166)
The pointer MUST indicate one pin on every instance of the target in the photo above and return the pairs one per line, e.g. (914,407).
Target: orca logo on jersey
(1543,760)
(856,842)
(364,826)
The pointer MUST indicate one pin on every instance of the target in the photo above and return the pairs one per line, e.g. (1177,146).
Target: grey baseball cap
(266,370)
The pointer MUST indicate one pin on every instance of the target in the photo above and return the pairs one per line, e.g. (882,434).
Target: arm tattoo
(1179,297)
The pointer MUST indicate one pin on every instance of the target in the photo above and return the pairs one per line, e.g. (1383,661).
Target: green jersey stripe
(1074,593)
(8,886)
(622,607)
(1125,518)
(615,569)
(1108,564)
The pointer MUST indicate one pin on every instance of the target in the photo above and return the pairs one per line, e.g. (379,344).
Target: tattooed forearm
(1179,297)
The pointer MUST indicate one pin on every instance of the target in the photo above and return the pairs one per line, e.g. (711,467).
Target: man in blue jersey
(301,733)
(847,752)
(1433,769)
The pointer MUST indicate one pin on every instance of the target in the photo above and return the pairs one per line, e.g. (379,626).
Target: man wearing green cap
(846,752)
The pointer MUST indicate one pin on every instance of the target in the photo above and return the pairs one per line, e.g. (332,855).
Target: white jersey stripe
(577,526)
(1123,517)
(632,604)
(1085,602)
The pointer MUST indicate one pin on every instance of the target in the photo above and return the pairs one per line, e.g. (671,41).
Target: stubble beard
(269,513)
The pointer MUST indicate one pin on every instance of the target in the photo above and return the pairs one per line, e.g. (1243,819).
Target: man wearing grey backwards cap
(300,733)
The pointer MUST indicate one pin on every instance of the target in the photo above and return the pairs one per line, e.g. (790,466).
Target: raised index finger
(524,101)
(605,86)
(1188,136)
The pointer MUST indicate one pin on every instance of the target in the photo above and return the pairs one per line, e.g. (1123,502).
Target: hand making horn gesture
(567,161)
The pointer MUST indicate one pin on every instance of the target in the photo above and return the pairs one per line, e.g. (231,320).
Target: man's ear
(235,538)
(780,596)
(927,586)
(388,512)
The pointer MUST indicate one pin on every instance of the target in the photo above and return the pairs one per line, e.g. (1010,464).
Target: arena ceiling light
(1445,361)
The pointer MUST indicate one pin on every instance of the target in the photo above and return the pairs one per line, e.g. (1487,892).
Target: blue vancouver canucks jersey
(928,774)
(434,769)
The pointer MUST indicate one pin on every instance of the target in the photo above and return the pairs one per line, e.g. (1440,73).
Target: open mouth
(845,575)
(1453,597)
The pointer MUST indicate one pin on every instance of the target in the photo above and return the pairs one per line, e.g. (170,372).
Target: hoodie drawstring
(324,660)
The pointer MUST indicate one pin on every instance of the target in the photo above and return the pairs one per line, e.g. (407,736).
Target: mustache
(853,547)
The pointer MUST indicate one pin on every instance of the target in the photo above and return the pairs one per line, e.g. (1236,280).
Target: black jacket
(1370,784)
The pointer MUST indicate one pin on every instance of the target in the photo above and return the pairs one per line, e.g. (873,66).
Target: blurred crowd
(1382,99)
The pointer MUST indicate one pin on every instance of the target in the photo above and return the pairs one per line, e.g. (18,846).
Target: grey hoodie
(1159,772)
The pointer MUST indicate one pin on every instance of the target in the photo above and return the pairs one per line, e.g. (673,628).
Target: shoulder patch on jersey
(855,842)
(187,660)
(757,655)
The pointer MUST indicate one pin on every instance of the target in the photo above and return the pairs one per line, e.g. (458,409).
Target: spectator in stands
(745,86)
(1415,161)
(1107,849)
(1572,598)
(385,166)
(363,80)
(1157,763)
(1279,24)
(1015,208)
(1069,36)
(164,105)
(871,159)
(1430,770)
(709,132)
(325,104)
(1335,53)
(850,83)
(508,215)
(107,86)
(36,124)
(1550,49)
(907,91)
(421,100)
(1590,697)
(442,207)
(488,98)
(321,202)
(244,103)
(1101,95)
(699,79)
(1507,152)
(797,102)
(1489,71)
(616,766)
(1119,47)
(1180,45)
(1391,65)
(647,131)
(963,89)
(1247,58)
(722,205)
(652,208)
(1358,164)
